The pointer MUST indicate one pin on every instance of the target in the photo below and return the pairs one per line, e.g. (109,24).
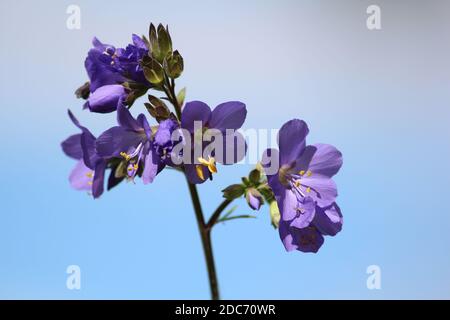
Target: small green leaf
(233,191)
(243,216)
(274,214)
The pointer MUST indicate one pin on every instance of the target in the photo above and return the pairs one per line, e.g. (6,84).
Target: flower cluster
(135,148)
(296,180)
(303,188)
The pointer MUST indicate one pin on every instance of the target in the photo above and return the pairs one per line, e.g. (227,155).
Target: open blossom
(303,188)
(141,148)
(198,119)
(89,172)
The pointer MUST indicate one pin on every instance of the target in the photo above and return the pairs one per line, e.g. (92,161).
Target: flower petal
(126,120)
(307,239)
(326,161)
(270,161)
(192,175)
(329,220)
(106,98)
(99,176)
(288,206)
(234,149)
(116,140)
(195,111)
(80,177)
(323,189)
(151,165)
(72,146)
(308,210)
(228,115)
(291,140)
(286,236)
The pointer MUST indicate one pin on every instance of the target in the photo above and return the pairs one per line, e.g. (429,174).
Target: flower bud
(174,65)
(164,41)
(254,198)
(160,42)
(153,71)
(106,98)
(255,177)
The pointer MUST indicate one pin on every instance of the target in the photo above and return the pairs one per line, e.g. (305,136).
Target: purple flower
(105,99)
(196,119)
(89,171)
(108,68)
(303,188)
(133,142)
(101,66)
(128,61)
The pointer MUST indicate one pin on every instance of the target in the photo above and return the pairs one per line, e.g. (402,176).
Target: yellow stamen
(210,163)
(308,190)
(297,183)
(199,170)
(90,174)
(90,183)
(301,172)
(125,155)
(309,173)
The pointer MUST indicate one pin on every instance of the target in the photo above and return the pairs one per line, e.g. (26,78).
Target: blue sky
(380,96)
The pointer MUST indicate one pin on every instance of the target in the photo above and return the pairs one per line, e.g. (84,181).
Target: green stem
(205,232)
(212,221)
(205,235)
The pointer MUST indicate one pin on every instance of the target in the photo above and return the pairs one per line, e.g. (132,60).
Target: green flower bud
(157,108)
(153,71)
(160,42)
(255,177)
(164,41)
(174,65)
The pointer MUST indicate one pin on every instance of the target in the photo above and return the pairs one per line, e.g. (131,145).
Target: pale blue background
(382,97)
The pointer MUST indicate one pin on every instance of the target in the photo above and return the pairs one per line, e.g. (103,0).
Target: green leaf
(243,216)
(230,211)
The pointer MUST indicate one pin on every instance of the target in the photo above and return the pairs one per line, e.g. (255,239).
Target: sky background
(381,97)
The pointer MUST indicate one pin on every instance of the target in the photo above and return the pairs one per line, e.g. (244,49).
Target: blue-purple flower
(198,119)
(303,188)
(89,171)
(106,98)
(144,150)
(108,68)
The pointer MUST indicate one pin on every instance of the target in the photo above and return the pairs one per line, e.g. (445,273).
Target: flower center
(210,164)
(132,159)
(301,191)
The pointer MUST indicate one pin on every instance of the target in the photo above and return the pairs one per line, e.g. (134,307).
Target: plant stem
(205,231)
(212,221)
(205,235)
